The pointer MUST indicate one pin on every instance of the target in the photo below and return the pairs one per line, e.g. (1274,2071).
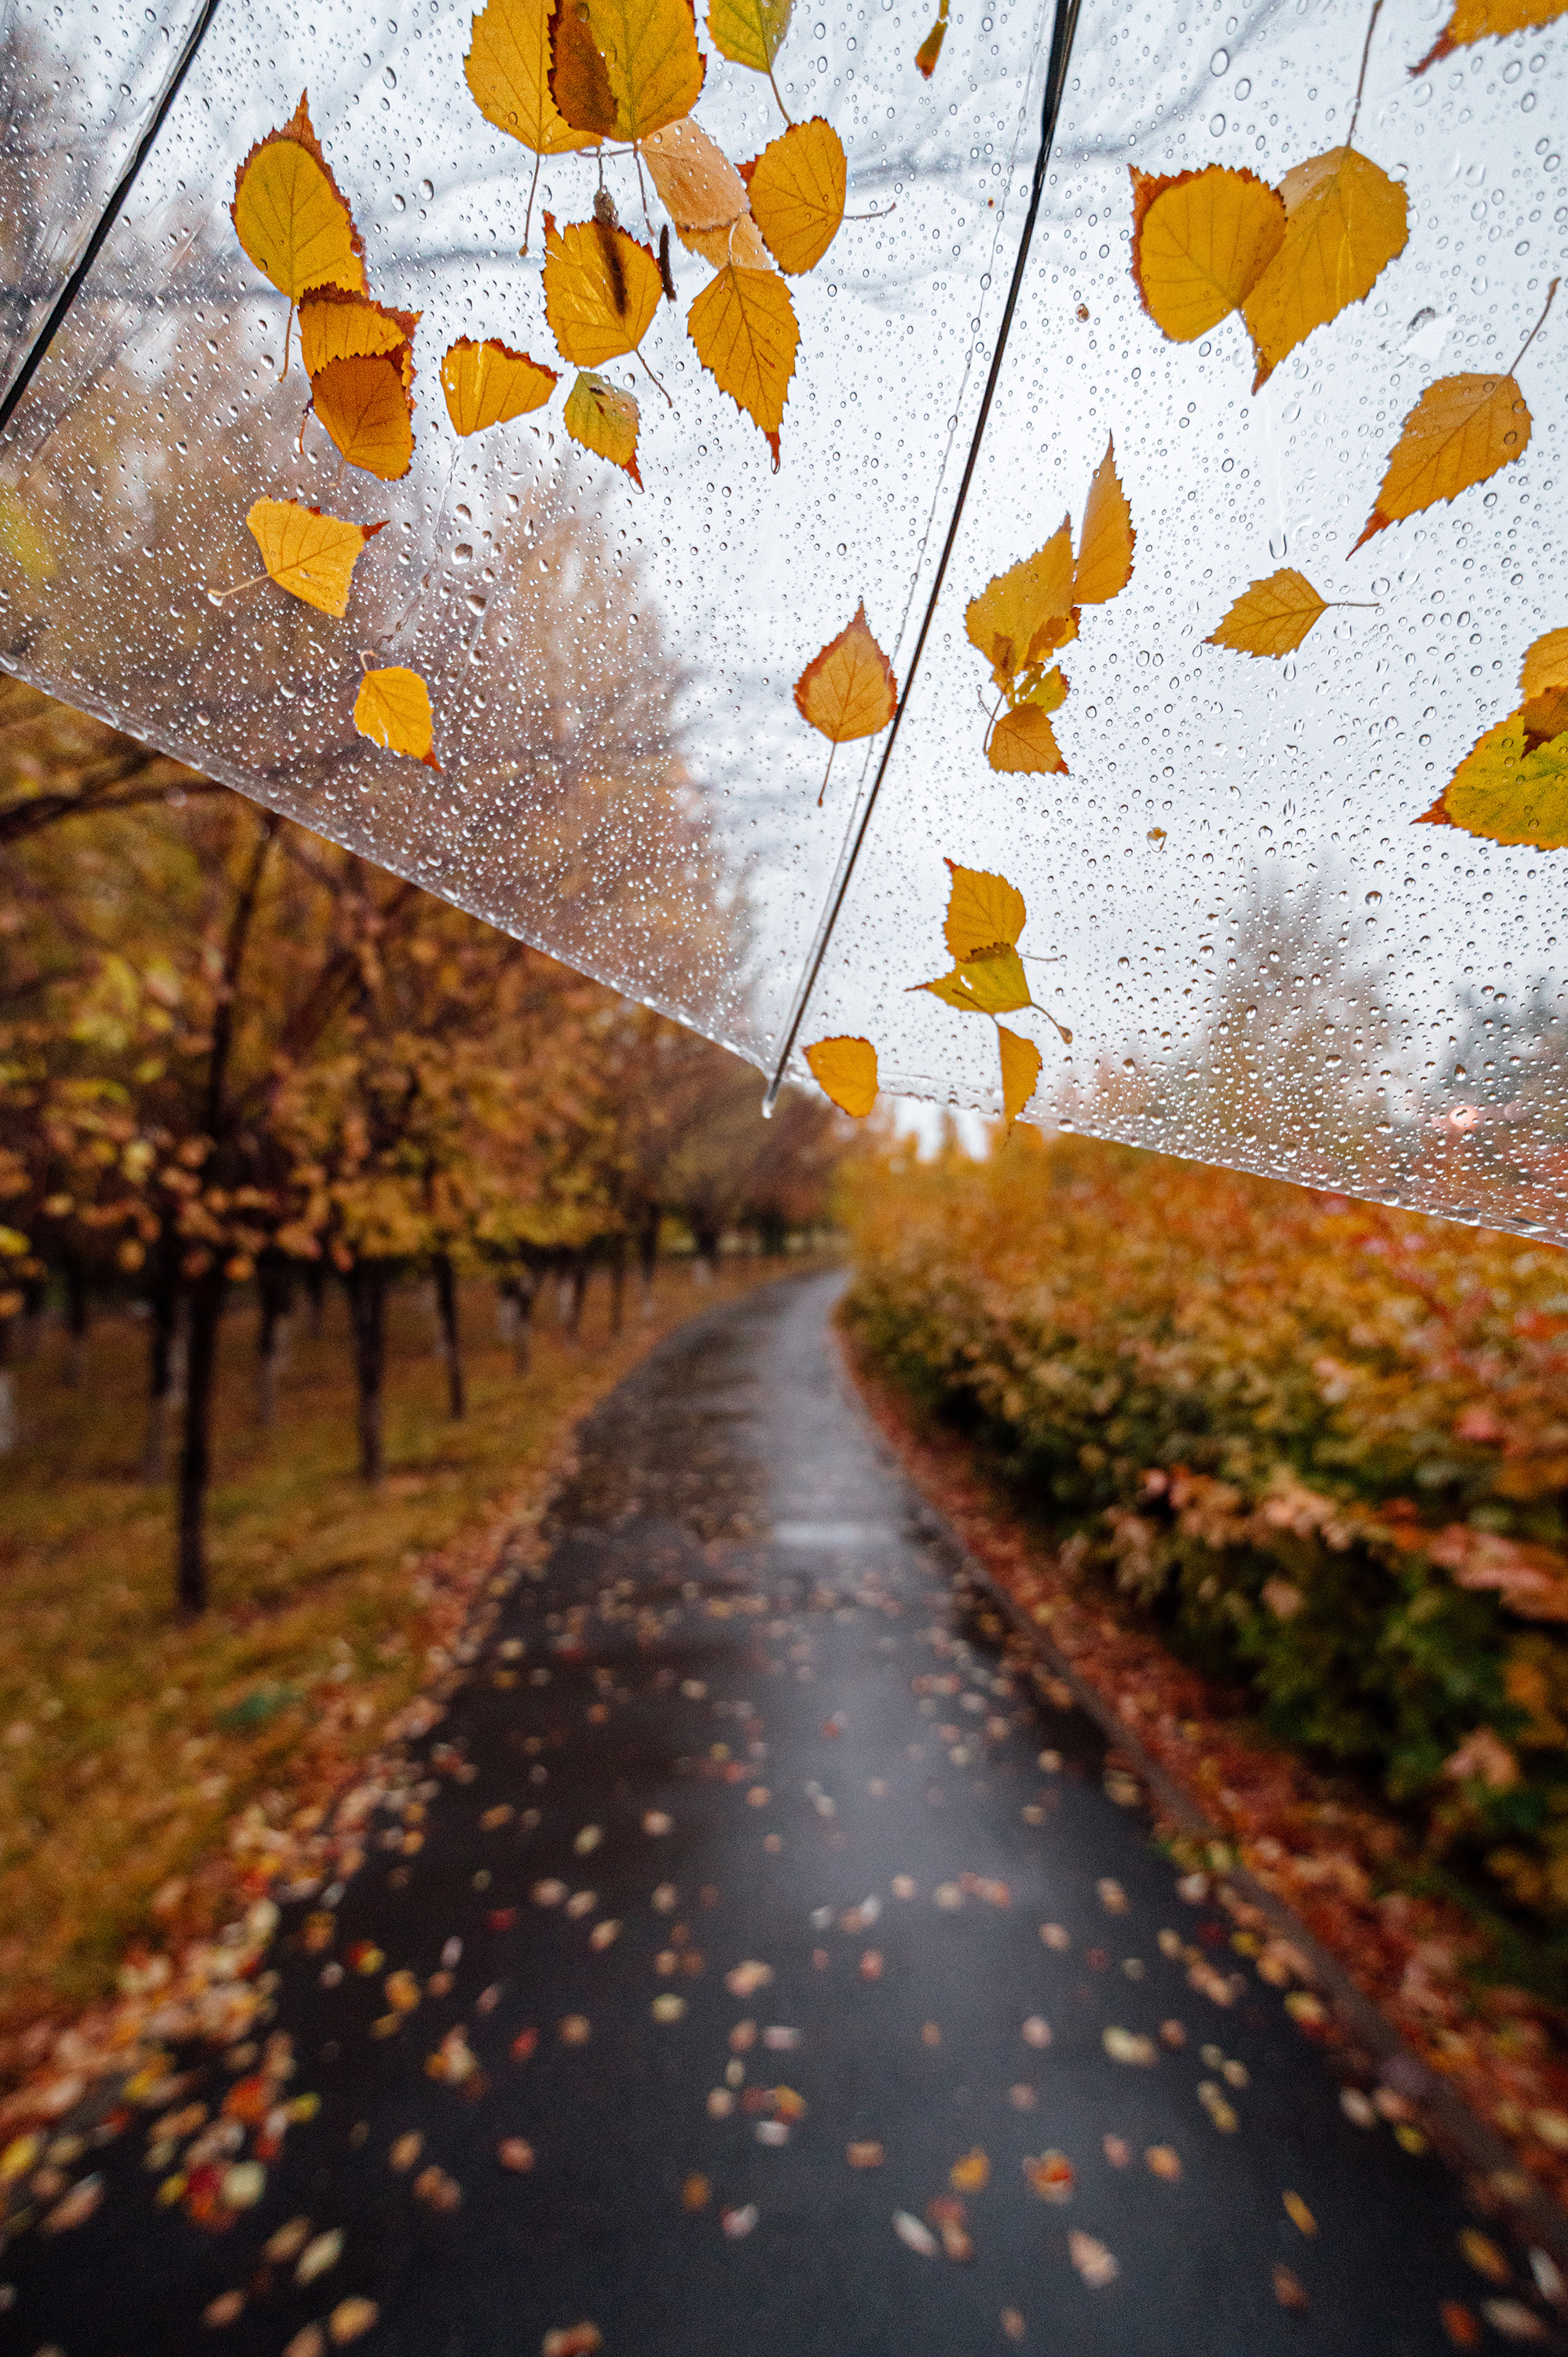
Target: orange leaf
(1023,741)
(605,419)
(1272,618)
(1345,221)
(1021,1061)
(508,71)
(1200,242)
(1026,611)
(364,404)
(334,324)
(846,1070)
(743,324)
(1461,430)
(930,48)
(1484,20)
(489,383)
(650,67)
(797,187)
(699,187)
(1106,541)
(740,243)
(848,690)
(601,290)
(392,708)
(310,554)
(985,912)
(292,218)
(1544,683)
(579,77)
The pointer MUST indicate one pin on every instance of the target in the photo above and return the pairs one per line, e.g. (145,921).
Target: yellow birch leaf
(797,187)
(653,65)
(1021,1061)
(489,383)
(1200,242)
(1507,792)
(337,326)
(291,217)
(1484,20)
(1028,611)
(1461,430)
(699,187)
(749,32)
(848,689)
(310,554)
(743,324)
(1271,616)
(1544,683)
(508,69)
(1345,221)
(20,538)
(601,290)
(603,418)
(1023,741)
(985,912)
(846,1070)
(1105,545)
(392,708)
(993,984)
(741,243)
(364,405)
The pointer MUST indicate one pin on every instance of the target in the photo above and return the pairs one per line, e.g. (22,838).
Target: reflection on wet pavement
(746,1963)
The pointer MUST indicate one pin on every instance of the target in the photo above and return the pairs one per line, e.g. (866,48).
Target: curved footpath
(783,1982)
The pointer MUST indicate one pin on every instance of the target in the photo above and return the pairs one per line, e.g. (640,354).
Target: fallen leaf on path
(1052,2176)
(1093,2260)
(916,2236)
(972,2174)
(318,2256)
(1289,2290)
(572,2341)
(1129,2046)
(864,2155)
(350,2318)
(515,2153)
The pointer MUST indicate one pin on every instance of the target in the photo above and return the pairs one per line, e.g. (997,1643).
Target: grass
(129,1740)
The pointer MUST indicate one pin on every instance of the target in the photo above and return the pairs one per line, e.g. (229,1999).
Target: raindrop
(1219,62)
(1372,900)
(1216,125)
(427,188)
(464,553)
(390,79)
(1278,544)
(400,204)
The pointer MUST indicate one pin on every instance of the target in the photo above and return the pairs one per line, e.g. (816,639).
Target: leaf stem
(1550,299)
(637,350)
(1361,604)
(1361,83)
(528,216)
(287,340)
(827,773)
(782,108)
(222,596)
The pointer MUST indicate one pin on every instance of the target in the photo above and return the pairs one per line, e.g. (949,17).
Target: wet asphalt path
(741,1715)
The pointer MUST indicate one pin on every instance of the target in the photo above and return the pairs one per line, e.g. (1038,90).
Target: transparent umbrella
(707,613)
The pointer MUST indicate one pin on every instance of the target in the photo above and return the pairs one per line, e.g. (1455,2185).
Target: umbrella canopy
(1043,501)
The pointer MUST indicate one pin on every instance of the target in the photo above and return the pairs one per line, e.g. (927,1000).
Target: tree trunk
(706,1238)
(648,1254)
(451,1338)
(519,1292)
(165,1370)
(582,1269)
(8,1427)
(78,1310)
(274,1284)
(315,1294)
(366,1304)
(617,1283)
(196,1456)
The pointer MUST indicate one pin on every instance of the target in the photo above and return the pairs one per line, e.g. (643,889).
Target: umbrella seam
(38,348)
(1062,31)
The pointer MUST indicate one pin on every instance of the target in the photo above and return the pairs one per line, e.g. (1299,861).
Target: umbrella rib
(52,327)
(1062,31)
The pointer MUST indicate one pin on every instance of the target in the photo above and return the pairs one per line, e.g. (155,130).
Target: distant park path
(787,2003)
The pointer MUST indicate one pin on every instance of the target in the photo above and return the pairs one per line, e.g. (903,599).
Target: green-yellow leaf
(994,984)
(749,32)
(603,418)
(1508,794)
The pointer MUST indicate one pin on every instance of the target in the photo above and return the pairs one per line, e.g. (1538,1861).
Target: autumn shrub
(1325,1443)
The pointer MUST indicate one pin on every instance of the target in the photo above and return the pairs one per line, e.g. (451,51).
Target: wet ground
(751,1968)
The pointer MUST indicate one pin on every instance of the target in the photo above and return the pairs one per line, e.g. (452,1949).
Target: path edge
(1461,2131)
